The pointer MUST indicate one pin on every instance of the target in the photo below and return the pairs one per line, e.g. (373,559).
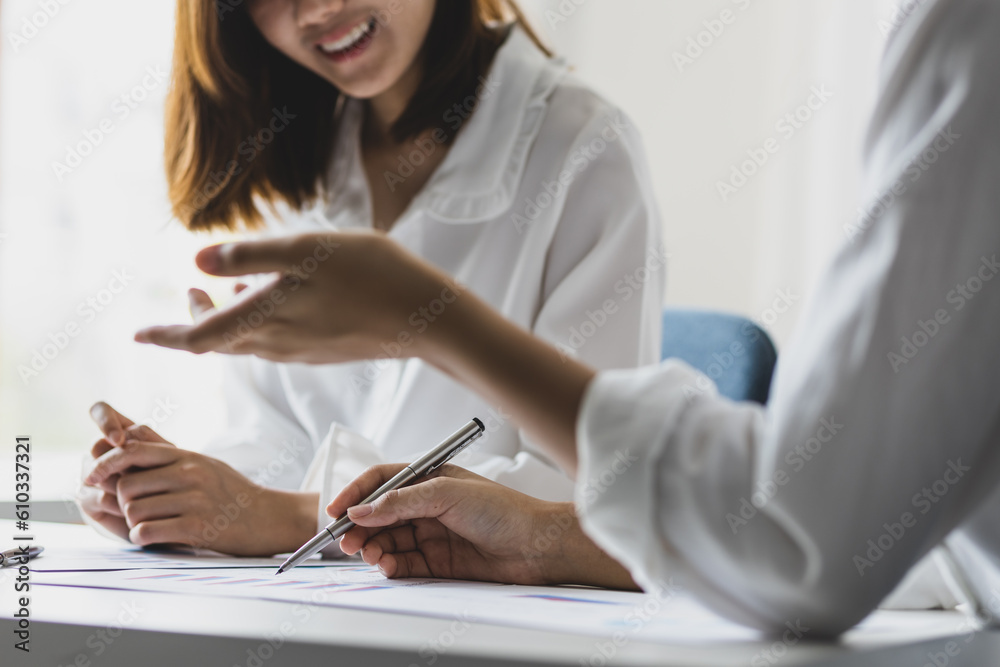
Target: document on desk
(70,548)
(135,558)
(669,617)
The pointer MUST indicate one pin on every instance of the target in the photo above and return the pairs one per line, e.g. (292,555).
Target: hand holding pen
(425,465)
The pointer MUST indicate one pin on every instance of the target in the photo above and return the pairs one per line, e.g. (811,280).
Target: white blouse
(882,436)
(544,208)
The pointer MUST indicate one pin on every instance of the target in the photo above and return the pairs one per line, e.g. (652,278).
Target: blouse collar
(471,184)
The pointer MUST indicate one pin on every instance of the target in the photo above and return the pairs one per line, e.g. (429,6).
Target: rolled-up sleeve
(880,437)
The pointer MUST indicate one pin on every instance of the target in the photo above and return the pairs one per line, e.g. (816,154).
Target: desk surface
(84,627)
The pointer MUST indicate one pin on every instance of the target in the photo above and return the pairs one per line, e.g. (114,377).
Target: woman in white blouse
(459,138)
(879,444)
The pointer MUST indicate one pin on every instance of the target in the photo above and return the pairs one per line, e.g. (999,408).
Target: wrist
(296,520)
(578,559)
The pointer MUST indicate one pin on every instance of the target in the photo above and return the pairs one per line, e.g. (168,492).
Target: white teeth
(349,39)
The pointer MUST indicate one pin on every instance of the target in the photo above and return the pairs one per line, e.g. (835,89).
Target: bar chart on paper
(592,612)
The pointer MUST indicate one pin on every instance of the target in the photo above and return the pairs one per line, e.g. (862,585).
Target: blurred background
(89,254)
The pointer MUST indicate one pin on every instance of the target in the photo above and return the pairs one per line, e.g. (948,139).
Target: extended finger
(247,257)
(428,499)
(111,422)
(132,453)
(217,331)
(362,486)
(199,303)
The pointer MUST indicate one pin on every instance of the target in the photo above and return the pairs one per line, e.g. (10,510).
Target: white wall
(782,227)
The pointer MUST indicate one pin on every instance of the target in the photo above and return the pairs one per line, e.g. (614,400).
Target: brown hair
(243,121)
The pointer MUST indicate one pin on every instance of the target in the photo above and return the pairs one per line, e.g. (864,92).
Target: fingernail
(209,260)
(359,510)
(116,437)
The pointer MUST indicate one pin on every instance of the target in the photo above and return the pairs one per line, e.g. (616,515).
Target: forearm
(529,379)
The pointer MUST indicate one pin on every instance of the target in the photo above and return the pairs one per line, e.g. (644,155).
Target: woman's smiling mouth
(352,44)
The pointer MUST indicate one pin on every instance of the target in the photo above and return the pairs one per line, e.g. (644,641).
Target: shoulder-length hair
(246,123)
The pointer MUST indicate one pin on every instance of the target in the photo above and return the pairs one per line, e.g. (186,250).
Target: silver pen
(18,555)
(427,463)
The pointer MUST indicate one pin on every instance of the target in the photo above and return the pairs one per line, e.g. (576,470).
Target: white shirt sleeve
(603,286)
(880,437)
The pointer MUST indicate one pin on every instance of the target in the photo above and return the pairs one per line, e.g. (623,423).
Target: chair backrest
(733,351)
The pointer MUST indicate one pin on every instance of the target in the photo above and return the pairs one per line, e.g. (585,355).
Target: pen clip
(455,452)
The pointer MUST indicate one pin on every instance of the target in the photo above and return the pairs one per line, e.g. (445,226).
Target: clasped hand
(144,489)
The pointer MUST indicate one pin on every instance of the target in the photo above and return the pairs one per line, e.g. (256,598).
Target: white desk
(81,626)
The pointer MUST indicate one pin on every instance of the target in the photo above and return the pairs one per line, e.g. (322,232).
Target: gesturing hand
(336,297)
(458,525)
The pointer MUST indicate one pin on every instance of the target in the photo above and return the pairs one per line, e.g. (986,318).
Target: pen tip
(278,572)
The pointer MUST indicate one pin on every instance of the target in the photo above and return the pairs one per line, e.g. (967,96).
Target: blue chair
(734,352)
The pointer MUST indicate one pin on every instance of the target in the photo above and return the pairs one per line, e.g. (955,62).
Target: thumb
(200,303)
(247,257)
(426,500)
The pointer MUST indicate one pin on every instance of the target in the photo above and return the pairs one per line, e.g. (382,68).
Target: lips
(351,44)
